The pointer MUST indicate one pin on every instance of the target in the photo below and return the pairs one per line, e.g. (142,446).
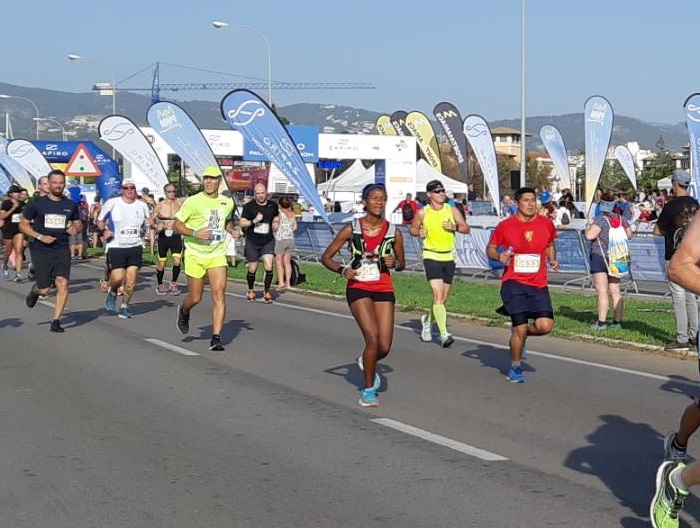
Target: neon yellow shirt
(440,242)
(201,212)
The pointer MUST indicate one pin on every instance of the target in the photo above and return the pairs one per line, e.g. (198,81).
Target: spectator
(623,207)
(408,208)
(471,194)
(508,208)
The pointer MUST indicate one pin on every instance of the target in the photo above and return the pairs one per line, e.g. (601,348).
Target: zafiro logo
(246,113)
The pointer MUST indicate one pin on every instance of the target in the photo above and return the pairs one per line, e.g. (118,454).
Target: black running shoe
(32,298)
(215,344)
(183,321)
(56,327)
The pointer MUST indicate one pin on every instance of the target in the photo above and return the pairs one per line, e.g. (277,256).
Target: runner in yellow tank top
(437,224)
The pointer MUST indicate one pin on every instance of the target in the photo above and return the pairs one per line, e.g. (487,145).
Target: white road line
(47,303)
(172,348)
(440,440)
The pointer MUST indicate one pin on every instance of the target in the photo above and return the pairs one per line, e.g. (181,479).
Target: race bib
(367,272)
(527,263)
(168,232)
(261,228)
(129,232)
(216,236)
(15,218)
(55,221)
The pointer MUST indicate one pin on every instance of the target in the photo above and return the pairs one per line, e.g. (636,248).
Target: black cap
(434,186)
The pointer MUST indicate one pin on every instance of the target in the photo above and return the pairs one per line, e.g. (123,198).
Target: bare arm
(416,228)
(683,268)
(461,225)
(327,258)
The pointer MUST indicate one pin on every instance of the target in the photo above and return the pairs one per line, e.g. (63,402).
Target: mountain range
(65,107)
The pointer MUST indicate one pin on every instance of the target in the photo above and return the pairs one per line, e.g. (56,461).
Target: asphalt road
(125,423)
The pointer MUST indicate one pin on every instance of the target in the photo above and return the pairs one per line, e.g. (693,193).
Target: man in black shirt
(51,220)
(259,219)
(672,223)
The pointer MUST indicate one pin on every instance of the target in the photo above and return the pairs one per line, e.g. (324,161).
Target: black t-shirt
(674,218)
(260,233)
(51,218)
(11,224)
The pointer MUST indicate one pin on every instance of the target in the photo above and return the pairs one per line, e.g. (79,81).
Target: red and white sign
(82,164)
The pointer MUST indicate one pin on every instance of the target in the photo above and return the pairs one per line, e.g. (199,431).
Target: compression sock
(268,280)
(250,277)
(176,273)
(440,314)
(159,275)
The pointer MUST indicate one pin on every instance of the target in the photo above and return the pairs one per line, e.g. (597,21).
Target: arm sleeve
(247,213)
(28,212)
(105,210)
(183,214)
(497,236)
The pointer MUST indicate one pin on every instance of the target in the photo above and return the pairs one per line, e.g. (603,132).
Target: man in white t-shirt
(128,216)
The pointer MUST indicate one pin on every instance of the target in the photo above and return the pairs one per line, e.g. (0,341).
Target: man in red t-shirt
(527,242)
(408,208)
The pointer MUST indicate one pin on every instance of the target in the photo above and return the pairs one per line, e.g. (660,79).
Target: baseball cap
(434,186)
(128,182)
(211,172)
(681,177)
(606,207)
(545,197)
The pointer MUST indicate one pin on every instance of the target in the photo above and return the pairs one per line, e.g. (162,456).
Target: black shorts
(169,243)
(9,231)
(523,302)
(439,269)
(354,294)
(254,252)
(50,264)
(122,258)
(598,263)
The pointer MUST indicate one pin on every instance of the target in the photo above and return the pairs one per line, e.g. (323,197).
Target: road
(125,423)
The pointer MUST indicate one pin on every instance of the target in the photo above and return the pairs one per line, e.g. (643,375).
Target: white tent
(425,173)
(347,181)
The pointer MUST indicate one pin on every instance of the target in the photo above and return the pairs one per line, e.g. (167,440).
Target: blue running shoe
(6,274)
(377,380)
(111,301)
(515,375)
(368,398)
(125,313)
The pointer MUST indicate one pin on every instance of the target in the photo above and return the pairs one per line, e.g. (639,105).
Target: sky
(634,52)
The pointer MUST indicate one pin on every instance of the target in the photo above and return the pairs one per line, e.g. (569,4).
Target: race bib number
(15,218)
(168,232)
(527,263)
(129,232)
(216,236)
(367,272)
(55,221)
(261,229)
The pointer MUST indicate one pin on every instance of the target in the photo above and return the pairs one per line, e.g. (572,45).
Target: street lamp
(63,130)
(218,25)
(523,149)
(4,96)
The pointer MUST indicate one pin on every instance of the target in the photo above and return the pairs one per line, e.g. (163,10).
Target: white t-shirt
(127,219)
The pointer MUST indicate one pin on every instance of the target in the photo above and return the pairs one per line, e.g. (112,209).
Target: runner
(259,219)
(128,216)
(377,247)
(528,239)
(203,219)
(13,238)
(436,224)
(42,189)
(163,216)
(45,220)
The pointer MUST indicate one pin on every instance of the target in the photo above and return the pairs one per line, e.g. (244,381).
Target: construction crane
(157,87)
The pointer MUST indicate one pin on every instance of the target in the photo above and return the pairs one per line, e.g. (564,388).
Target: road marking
(172,348)
(440,440)
(47,303)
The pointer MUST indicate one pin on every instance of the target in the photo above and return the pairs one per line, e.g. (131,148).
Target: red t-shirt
(384,284)
(527,240)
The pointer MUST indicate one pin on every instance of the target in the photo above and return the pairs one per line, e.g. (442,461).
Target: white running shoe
(426,334)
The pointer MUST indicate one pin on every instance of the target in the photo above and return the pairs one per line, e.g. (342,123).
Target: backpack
(617,258)
(357,245)
(297,276)
(407,212)
(565,217)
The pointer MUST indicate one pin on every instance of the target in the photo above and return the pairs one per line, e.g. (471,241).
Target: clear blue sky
(638,54)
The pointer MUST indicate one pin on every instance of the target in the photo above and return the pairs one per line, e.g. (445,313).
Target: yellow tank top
(440,243)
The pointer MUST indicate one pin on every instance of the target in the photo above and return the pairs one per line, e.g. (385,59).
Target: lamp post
(36,109)
(63,130)
(523,149)
(218,25)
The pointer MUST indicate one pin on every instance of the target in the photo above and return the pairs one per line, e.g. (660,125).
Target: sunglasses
(129,188)
(438,191)
(170,191)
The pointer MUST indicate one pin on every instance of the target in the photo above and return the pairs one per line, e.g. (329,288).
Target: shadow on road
(229,332)
(12,322)
(681,385)
(495,358)
(352,374)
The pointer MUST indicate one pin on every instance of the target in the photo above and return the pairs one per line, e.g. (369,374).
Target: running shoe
(215,344)
(598,327)
(6,274)
(183,320)
(174,288)
(668,499)
(160,289)
(446,340)
(615,326)
(19,277)
(30,273)
(515,375)
(250,296)
(368,398)
(426,334)
(32,298)
(671,452)
(104,286)
(56,327)
(111,302)
(675,346)
(267,297)
(125,313)
(377,380)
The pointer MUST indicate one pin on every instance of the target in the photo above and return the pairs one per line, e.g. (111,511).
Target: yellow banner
(421,128)
(384,126)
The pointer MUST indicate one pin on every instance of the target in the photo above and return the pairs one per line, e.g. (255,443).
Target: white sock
(677,480)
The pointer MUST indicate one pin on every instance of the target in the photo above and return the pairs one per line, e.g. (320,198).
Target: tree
(661,166)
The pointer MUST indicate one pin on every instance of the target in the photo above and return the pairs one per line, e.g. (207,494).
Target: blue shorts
(598,263)
(523,302)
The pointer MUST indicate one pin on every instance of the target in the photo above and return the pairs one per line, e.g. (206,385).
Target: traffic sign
(82,164)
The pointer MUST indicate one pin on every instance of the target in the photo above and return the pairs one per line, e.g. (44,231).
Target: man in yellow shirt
(436,224)
(203,220)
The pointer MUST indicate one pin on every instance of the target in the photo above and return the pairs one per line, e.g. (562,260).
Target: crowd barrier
(573,250)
